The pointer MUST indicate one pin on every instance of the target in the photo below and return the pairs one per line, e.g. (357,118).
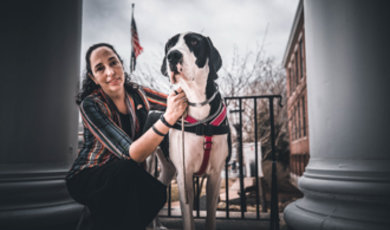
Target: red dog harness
(208,135)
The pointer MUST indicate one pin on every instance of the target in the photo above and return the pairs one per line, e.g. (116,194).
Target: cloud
(229,23)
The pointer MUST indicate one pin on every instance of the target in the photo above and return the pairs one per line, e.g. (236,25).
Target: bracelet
(158,132)
(162,118)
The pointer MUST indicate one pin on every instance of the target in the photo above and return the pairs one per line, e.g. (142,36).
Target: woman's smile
(116,81)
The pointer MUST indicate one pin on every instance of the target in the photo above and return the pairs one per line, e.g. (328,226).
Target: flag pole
(131,44)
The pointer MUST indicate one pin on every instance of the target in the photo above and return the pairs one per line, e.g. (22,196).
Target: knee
(162,197)
(125,176)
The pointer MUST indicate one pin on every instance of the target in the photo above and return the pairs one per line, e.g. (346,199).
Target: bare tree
(256,74)
(149,75)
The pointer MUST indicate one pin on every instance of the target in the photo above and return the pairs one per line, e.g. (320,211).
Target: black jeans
(119,195)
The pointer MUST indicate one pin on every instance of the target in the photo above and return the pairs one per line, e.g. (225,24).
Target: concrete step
(234,222)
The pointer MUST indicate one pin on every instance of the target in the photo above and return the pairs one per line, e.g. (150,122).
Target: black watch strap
(157,131)
(165,121)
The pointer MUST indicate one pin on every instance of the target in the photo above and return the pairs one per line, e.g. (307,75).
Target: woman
(107,175)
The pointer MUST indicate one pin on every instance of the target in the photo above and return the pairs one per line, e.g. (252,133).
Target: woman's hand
(177,104)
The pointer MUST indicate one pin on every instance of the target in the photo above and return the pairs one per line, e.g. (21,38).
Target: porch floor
(235,222)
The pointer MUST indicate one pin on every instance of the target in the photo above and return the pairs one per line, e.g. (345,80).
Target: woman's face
(107,70)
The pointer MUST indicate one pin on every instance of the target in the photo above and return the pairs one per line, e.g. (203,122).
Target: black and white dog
(191,61)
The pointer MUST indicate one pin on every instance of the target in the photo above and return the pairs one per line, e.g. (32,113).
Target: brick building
(294,62)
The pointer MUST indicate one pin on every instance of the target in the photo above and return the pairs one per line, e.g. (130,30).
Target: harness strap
(208,138)
(191,122)
(206,155)
(206,129)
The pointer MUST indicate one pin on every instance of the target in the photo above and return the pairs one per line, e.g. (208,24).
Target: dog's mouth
(176,70)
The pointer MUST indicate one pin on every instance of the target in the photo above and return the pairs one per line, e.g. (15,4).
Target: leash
(184,163)
(183,157)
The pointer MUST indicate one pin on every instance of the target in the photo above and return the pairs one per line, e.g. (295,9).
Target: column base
(342,198)
(298,217)
(35,199)
(50,217)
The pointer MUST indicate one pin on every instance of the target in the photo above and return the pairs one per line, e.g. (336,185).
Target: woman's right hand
(177,104)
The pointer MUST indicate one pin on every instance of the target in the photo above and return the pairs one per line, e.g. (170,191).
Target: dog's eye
(194,42)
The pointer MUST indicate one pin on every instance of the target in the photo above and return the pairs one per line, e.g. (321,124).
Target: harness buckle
(207,145)
(199,130)
(204,130)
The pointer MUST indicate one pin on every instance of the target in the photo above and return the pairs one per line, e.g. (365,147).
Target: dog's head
(190,56)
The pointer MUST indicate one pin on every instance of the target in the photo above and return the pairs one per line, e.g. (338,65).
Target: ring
(176,92)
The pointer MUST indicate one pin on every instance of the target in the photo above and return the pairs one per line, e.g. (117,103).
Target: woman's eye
(114,62)
(99,69)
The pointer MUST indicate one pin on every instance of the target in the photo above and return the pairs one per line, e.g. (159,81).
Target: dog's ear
(164,67)
(215,60)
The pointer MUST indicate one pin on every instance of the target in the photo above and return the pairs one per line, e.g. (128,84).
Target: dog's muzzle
(174,57)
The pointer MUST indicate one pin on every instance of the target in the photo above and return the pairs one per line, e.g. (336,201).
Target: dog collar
(200,104)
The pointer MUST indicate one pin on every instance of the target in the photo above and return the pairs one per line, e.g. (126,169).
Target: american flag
(136,48)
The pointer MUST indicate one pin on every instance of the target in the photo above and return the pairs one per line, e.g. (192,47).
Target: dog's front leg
(186,208)
(212,190)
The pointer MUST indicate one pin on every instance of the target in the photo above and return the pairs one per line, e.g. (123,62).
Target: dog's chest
(194,151)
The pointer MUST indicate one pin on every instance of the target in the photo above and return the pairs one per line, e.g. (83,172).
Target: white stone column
(40,69)
(347,181)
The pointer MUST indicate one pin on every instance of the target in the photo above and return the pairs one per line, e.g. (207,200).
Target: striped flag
(136,48)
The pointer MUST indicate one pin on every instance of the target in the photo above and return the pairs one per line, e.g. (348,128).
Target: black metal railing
(274,210)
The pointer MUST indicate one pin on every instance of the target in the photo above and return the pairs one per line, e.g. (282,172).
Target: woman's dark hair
(88,84)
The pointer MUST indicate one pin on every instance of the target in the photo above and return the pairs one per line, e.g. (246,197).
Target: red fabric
(217,121)
(190,119)
(208,140)
(137,48)
(206,155)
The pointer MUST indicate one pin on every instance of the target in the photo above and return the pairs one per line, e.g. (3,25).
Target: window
(290,80)
(296,68)
(292,125)
(301,57)
(295,123)
(299,120)
(304,116)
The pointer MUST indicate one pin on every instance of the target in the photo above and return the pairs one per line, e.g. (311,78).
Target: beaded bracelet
(158,132)
(162,118)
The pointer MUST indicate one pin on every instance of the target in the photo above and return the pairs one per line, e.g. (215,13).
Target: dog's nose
(174,57)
